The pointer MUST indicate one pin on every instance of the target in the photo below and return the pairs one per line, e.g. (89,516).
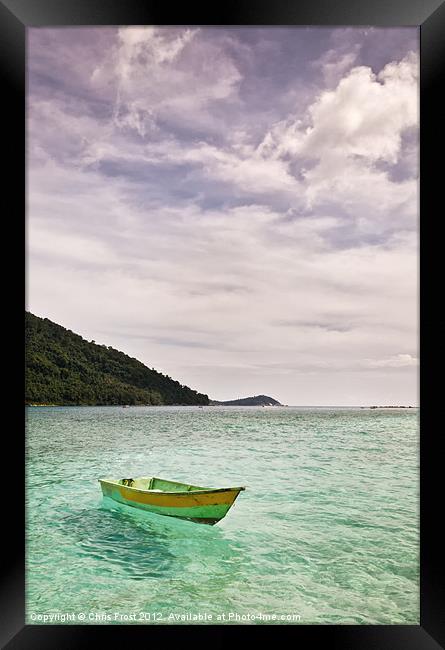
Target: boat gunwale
(184,492)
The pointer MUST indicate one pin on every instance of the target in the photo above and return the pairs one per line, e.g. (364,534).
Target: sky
(234,207)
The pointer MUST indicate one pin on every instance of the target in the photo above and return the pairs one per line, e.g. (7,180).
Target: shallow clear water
(327,529)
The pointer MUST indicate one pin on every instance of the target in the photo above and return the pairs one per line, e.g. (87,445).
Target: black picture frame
(429,16)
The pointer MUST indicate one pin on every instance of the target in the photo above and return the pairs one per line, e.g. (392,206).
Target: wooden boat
(203,505)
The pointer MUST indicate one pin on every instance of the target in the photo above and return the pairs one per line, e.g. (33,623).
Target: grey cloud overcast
(234,207)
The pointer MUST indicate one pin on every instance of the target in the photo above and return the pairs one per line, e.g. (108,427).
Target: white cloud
(147,44)
(396,361)
(345,133)
(335,64)
(158,77)
(366,114)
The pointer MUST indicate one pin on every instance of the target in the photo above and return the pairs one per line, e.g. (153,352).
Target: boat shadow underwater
(137,545)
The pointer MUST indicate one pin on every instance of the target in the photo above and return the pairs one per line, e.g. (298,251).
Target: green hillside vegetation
(63,368)
(256,400)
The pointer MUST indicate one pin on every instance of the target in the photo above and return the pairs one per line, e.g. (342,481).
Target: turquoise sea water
(327,530)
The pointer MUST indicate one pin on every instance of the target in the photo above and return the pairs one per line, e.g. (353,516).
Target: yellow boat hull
(172,499)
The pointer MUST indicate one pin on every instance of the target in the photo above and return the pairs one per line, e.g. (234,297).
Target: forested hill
(257,400)
(63,368)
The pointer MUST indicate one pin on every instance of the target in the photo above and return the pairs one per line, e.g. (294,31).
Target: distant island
(257,400)
(64,369)
(390,407)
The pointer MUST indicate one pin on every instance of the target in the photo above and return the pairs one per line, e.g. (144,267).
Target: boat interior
(159,485)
